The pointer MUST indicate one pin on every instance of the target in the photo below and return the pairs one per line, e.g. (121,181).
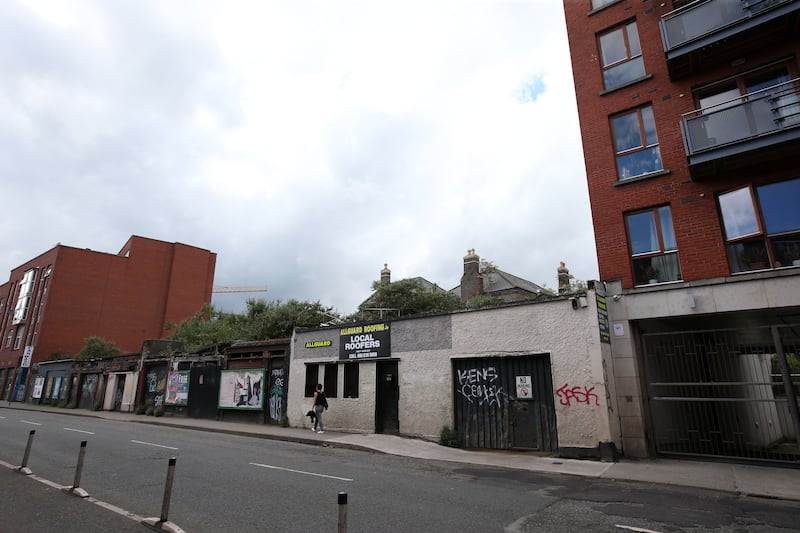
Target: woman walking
(319,404)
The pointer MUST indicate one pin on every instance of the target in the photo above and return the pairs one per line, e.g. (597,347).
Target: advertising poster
(57,387)
(370,341)
(38,385)
(177,388)
(242,389)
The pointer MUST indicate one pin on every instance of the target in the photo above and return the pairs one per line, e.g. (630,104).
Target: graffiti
(576,394)
(275,395)
(158,400)
(152,381)
(481,385)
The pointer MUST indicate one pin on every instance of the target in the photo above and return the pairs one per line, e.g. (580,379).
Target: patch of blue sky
(530,89)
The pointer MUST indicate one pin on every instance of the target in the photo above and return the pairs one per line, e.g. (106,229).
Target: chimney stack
(471,281)
(563,278)
(386,274)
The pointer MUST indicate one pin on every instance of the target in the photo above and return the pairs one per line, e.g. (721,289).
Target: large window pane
(779,206)
(738,214)
(627,134)
(668,233)
(639,163)
(612,47)
(643,233)
(621,56)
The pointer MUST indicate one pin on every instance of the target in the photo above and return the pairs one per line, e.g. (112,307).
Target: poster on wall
(370,341)
(602,320)
(177,388)
(38,385)
(57,387)
(241,389)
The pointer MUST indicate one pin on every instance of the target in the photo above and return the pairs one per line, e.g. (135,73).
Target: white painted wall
(425,348)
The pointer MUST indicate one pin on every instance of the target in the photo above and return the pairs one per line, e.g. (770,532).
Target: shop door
(203,392)
(388,398)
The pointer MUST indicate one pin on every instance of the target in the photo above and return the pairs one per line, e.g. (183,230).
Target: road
(235,483)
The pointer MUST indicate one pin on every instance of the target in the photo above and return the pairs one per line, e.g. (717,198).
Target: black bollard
(168,489)
(342,512)
(24,467)
(76,484)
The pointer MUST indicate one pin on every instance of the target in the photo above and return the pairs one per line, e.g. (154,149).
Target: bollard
(76,484)
(342,512)
(24,468)
(163,524)
(168,489)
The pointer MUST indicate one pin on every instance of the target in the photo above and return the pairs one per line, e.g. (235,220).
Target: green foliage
(97,348)
(284,421)
(140,409)
(158,411)
(484,300)
(407,297)
(262,320)
(448,437)
(150,410)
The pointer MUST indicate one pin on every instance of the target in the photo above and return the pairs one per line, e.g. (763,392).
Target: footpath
(747,480)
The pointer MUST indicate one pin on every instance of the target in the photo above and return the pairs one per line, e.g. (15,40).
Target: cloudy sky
(306,143)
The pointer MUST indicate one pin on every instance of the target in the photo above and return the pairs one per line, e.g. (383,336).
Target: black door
(203,392)
(388,398)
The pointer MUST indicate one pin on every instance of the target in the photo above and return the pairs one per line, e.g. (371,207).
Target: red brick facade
(124,298)
(696,220)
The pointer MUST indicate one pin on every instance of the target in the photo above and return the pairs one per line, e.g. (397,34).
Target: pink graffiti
(576,394)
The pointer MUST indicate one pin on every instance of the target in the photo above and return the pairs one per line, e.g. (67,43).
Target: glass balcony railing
(705,17)
(756,114)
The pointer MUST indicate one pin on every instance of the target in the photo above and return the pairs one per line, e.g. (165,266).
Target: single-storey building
(525,375)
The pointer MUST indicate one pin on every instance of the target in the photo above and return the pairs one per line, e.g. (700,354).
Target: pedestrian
(319,404)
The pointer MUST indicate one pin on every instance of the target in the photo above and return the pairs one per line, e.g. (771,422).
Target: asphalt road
(234,483)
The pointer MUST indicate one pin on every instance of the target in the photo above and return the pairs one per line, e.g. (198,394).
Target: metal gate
(488,413)
(725,393)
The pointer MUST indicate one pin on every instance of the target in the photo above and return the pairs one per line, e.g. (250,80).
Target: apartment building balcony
(708,32)
(743,132)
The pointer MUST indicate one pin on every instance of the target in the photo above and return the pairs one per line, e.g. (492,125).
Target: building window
(331,383)
(621,56)
(312,379)
(597,4)
(351,381)
(9,338)
(636,143)
(24,298)
(762,226)
(18,339)
(653,247)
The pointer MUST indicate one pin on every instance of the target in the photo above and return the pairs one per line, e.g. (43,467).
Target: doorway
(387,398)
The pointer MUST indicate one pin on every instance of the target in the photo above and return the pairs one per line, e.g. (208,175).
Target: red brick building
(690,119)
(53,302)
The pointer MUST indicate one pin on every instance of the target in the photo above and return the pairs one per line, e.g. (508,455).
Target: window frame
(331,380)
(629,58)
(312,379)
(644,143)
(652,266)
(350,382)
(750,251)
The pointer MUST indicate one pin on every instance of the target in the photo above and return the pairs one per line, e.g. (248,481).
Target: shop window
(621,56)
(636,143)
(762,226)
(312,379)
(351,380)
(331,380)
(653,247)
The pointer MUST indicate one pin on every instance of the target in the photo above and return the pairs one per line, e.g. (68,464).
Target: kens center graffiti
(481,386)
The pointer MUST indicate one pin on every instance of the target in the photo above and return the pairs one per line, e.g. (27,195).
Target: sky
(306,143)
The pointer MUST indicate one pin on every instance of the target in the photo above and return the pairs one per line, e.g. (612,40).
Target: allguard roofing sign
(370,341)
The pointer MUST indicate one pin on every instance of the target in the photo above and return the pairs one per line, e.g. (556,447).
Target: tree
(407,297)
(96,348)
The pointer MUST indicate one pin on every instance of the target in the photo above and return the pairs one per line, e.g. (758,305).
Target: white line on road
(151,444)
(29,422)
(637,529)
(79,431)
(301,472)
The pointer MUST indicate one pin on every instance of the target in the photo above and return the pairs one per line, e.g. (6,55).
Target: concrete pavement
(748,480)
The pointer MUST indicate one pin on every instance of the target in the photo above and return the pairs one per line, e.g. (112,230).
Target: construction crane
(239,289)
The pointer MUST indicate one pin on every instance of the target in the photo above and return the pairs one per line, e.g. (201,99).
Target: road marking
(637,529)
(79,431)
(301,472)
(29,422)
(151,444)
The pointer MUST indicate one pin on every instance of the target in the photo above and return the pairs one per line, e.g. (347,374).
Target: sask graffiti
(276,394)
(481,386)
(576,394)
